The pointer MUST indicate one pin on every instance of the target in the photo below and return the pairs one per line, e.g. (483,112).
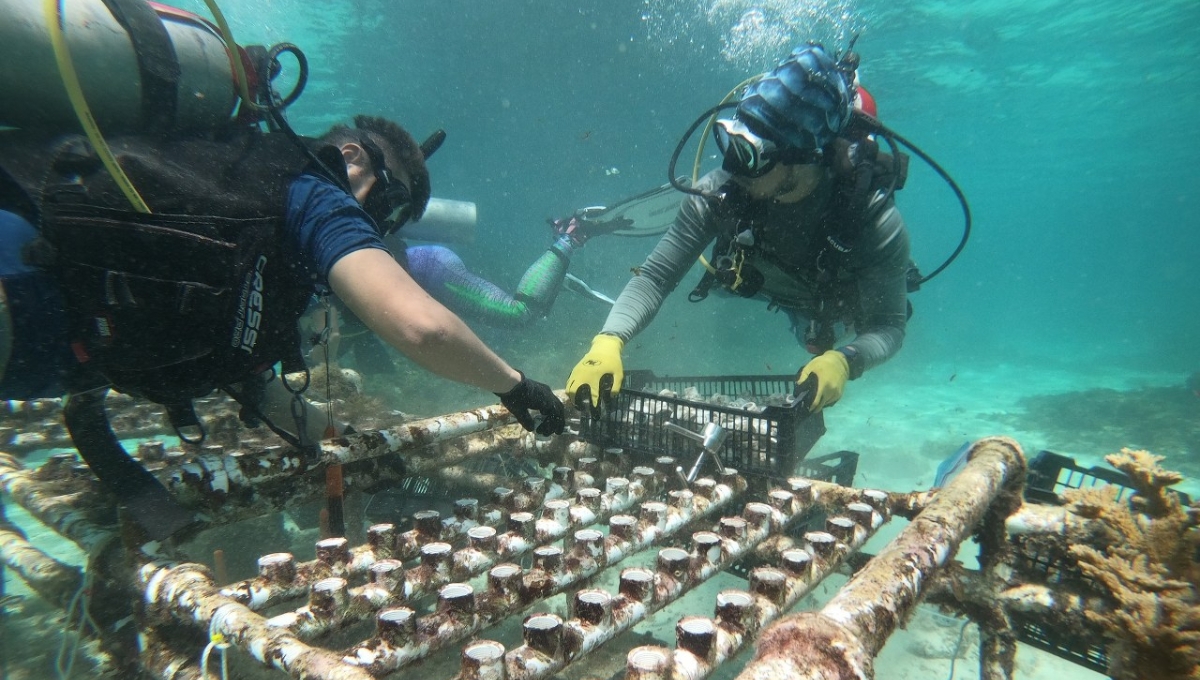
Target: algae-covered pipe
(840,642)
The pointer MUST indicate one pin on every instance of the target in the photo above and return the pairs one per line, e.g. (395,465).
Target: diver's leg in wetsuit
(140,494)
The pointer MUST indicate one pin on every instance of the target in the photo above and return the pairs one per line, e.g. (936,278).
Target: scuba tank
(141,66)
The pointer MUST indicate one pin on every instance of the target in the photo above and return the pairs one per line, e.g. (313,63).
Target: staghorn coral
(1142,555)
(1150,480)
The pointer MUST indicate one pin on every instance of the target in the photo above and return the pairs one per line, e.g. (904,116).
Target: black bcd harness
(197,295)
(860,173)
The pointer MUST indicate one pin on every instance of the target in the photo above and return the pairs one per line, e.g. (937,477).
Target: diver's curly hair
(397,144)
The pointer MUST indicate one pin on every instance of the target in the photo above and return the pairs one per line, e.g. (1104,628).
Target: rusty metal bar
(841,641)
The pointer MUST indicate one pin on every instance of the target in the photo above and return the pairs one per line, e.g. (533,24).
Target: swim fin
(577,285)
(647,214)
(137,491)
(951,466)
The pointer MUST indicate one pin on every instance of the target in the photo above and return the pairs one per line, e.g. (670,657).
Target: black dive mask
(389,202)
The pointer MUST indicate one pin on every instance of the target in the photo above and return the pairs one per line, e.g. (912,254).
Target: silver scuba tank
(106,59)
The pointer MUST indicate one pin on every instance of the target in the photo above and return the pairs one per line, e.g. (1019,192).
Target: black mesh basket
(767,443)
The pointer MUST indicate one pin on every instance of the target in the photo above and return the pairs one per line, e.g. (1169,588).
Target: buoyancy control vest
(196,295)
(863,181)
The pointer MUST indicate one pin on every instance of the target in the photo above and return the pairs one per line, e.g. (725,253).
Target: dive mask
(389,202)
(746,154)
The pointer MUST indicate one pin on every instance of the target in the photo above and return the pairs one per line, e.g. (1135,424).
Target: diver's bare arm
(387,299)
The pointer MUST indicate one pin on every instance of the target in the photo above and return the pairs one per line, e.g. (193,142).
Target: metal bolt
(534,485)
(587,464)
(643,475)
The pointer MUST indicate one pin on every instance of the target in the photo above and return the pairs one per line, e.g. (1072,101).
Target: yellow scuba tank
(141,65)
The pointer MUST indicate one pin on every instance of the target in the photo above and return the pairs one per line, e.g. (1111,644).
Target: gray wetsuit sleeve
(881,270)
(693,230)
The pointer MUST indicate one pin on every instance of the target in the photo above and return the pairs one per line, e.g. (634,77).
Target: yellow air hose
(700,156)
(70,79)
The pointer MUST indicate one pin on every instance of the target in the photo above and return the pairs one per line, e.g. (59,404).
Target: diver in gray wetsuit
(796,223)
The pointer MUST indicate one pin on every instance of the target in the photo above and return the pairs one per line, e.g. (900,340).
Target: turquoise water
(1069,124)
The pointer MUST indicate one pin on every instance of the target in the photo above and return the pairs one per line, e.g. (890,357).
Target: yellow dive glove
(829,371)
(598,375)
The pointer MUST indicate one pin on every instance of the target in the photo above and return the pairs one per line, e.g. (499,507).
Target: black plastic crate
(1051,473)
(767,443)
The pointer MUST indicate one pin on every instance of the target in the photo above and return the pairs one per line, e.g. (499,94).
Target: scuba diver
(203,289)
(802,216)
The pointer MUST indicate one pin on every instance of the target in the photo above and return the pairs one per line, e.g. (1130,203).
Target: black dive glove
(531,394)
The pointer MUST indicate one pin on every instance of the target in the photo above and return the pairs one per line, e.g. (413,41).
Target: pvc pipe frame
(840,642)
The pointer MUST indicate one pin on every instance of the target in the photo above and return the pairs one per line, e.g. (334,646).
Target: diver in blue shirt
(204,289)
